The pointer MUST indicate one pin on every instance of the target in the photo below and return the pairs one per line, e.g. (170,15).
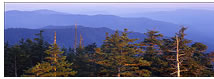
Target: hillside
(65,35)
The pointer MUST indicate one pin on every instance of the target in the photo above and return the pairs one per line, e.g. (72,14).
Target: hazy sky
(107,8)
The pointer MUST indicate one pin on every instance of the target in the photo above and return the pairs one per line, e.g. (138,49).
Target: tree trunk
(118,69)
(75,41)
(55,65)
(118,73)
(177,58)
(55,55)
(15,67)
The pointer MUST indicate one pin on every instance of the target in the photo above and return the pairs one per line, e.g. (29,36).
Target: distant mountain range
(199,22)
(65,34)
(41,18)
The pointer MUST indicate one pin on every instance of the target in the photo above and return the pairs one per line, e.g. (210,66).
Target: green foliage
(119,57)
(151,45)
(199,47)
(25,54)
(55,66)
(83,61)
(15,61)
(192,61)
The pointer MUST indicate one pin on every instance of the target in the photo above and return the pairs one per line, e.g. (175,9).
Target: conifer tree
(84,61)
(119,56)
(188,65)
(182,57)
(17,59)
(40,46)
(152,47)
(176,52)
(81,62)
(55,65)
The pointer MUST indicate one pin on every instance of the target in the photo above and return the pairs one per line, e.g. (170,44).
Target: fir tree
(119,57)
(151,45)
(182,58)
(40,46)
(84,61)
(55,65)
(176,52)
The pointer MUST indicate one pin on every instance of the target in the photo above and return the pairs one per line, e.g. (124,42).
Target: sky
(107,8)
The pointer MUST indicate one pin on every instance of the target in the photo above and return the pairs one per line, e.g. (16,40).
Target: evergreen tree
(24,55)
(119,57)
(83,61)
(189,57)
(177,52)
(16,59)
(55,65)
(39,47)
(151,45)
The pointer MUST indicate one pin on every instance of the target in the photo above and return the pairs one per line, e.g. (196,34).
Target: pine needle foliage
(119,57)
(54,66)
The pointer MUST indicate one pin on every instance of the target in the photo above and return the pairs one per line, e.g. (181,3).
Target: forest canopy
(118,56)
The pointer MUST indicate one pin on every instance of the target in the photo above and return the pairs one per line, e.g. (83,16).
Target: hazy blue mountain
(196,20)
(65,34)
(183,16)
(40,18)
(199,20)
(46,11)
(200,23)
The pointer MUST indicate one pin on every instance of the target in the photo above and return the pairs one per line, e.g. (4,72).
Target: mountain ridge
(36,20)
(65,36)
